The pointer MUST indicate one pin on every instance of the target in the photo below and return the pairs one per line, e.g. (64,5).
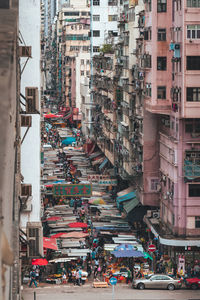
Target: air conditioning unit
(34,236)
(26,203)
(155,214)
(26,121)
(32,101)
(25,51)
(26,189)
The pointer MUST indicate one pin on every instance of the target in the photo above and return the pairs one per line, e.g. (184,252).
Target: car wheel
(141,286)
(194,286)
(171,287)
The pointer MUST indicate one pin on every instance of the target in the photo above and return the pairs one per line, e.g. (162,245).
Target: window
(161,5)
(193,31)
(82,73)
(84,13)
(112,18)
(96,18)
(161,34)
(87,73)
(87,61)
(192,126)
(148,5)
(194,190)
(197,222)
(161,92)
(96,33)
(96,2)
(193,94)
(112,33)
(71,13)
(193,62)
(147,33)
(82,61)
(154,184)
(193,3)
(86,48)
(96,49)
(146,61)
(112,2)
(161,63)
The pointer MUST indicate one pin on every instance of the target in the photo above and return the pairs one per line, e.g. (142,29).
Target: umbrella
(128,253)
(77,225)
(39,262)
(124,247)
(96,201)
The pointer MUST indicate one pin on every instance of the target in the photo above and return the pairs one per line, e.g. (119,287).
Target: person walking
(33,278)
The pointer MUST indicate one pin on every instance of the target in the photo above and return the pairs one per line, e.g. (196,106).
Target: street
(122,292)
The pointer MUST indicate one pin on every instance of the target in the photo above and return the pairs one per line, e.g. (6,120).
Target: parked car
(192,283)
(157,281)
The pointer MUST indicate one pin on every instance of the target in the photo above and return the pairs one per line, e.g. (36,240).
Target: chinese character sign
(72,190)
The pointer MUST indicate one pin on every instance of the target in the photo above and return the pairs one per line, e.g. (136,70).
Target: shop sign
(72,190)
(108,182)
(96,178)
(181,264)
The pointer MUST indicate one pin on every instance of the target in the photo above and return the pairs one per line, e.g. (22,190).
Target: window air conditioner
(26,121)
(156,215)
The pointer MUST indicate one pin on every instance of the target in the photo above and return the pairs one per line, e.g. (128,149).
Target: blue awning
(103,164)
(126,197)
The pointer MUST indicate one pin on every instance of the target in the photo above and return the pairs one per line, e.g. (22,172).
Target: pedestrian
(78,277)
(33,278)
(95,271)
(128,277)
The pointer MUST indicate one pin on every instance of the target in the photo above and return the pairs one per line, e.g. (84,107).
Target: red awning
(48,185)
(73,234)
(77,225)
(50,243)
(54,219)
(39,262)
(50,115)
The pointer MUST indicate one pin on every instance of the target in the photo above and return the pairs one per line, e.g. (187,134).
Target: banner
(72,190)
(96,178)
(108,182)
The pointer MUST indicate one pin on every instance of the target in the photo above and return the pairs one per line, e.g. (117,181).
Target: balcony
(162,107)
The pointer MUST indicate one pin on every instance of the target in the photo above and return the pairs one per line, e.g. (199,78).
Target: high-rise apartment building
(30,90)
(152,127)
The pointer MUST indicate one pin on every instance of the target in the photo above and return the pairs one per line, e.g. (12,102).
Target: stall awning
(103,164)
(98,161)
(50,243)
(126,197)
(95,154)
(129,205)
(126,191)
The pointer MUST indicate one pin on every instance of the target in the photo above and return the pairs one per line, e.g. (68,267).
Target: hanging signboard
(108,182)
(72,190)
(96,178)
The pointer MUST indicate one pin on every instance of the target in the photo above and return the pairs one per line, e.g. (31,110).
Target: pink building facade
(172,78)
